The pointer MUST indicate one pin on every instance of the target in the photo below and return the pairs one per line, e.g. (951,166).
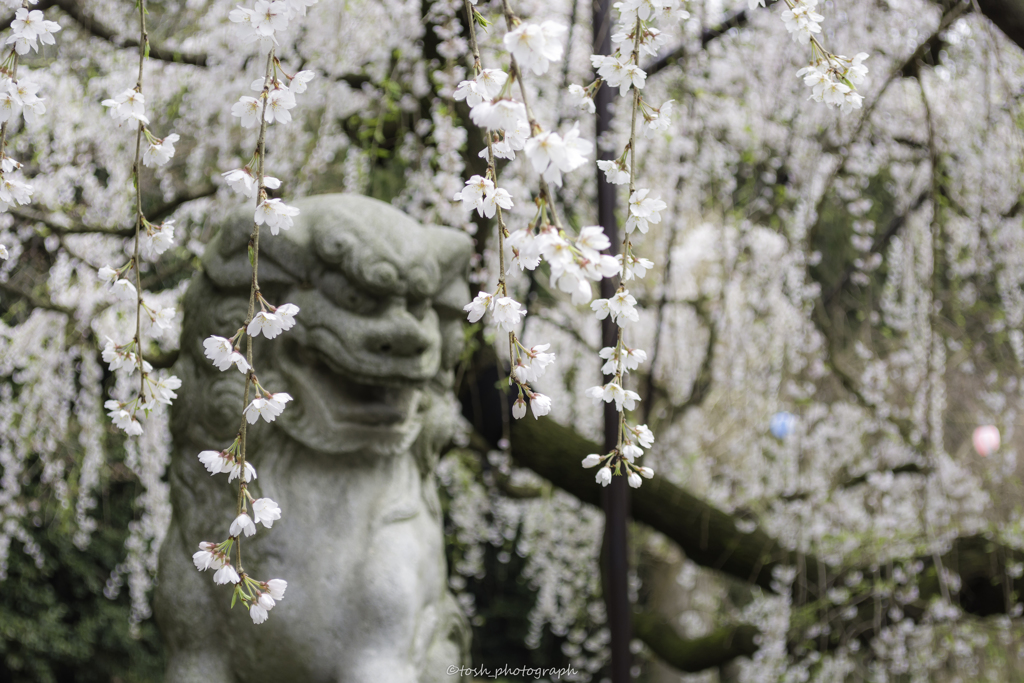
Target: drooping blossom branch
(260,25)
(511,127)
(28,29)
(833,79)
(130,106)
(636,36)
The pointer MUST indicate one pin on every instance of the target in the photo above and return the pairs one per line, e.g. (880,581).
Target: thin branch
(74,9)
(61,225)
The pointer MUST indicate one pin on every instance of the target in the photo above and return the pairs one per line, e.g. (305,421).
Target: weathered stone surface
(350,461)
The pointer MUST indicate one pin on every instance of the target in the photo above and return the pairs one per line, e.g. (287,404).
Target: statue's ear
(285,258)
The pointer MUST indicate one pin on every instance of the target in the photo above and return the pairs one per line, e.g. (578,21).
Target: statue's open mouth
(349,395)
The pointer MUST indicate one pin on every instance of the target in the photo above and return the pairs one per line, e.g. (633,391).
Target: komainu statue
(351,461)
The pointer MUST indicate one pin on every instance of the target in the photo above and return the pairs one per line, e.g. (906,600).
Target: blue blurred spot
(782,424)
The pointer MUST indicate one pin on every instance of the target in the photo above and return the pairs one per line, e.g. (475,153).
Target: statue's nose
(398,333)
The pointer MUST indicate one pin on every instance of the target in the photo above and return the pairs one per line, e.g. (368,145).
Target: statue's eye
(344,294)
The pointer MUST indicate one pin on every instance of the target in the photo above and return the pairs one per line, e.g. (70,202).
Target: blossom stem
(635,57)
(139,218)
(517,73)
(492,171)
(14,77)
(254,290)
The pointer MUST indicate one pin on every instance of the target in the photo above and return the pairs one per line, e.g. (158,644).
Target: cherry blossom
(130,104)
(535,46)
(265,512)
(268,407)
(480,305)
(223,353)
(160,151)
(276,214)
(216,462)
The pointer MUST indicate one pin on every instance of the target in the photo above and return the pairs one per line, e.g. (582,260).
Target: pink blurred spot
(986,440)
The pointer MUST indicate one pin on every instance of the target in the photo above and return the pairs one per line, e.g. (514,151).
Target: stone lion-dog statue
(351,461)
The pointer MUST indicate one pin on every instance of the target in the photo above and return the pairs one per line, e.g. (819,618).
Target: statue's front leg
(188,618)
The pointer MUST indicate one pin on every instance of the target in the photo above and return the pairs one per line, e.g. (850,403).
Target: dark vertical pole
(615,497)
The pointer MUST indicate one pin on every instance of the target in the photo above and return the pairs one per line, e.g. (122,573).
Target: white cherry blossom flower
(14,191)
(634,480)
(163,318)
(276,214)
(535,46)
(277,588)
(265,511)
(225,575)
(635,266)
(633,358)
(619,73)
(247,473)
(287,313)
(478,306)
(604,476)
(160,151)
(508,313)
(242,523)
(581,99)
(660,120)
(623,307)
(643,211)
(472,195)
(107,274)
(162,391)
(247,109)
(223,353)
(208,557)
(647,472)
(630,451)
(258,613)
(242,181)
(526,247)
(498,197)
(614,172)
(27,27)
(267,323)
(551,154)
(613,392)
(540,360)
(801,20)
(540,404)
(486,86)
(216,462)
(4,254)
(301,80)
(270,16)
(279,102)
(124,290)
(268,408)
(499,115)
(519,408)
(266,601)
(122,418)
(130,104)
(592,460)
(469,91)
(158,238)
(644,435)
